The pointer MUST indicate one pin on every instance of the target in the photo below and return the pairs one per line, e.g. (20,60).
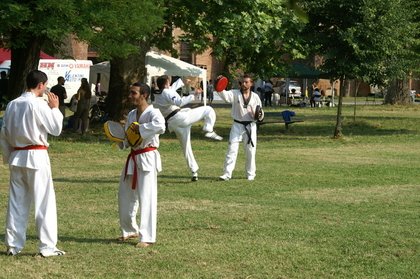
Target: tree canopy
(113,28)
(366,40)
(371,40)
(257,36)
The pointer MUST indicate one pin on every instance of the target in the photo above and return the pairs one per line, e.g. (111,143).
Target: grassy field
(319,207)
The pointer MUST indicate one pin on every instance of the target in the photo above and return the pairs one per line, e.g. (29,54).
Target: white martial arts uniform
(148,165)
(27,122)
(239,132)
(169,102)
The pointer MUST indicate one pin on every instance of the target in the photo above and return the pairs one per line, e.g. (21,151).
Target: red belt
(132,155)
(31,147)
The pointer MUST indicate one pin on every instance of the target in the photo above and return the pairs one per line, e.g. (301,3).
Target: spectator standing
(61,93)
(268,93)
(315,98)
(210,92)
(4,86)
(84,95)
(199,93)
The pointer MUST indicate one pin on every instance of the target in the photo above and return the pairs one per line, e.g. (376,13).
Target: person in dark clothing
(61,93)
(210,92)
(81,115)
(4,85)
(268,93)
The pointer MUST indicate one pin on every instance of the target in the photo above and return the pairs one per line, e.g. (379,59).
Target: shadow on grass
(269,132)
(318,125)
(173,179)
(180,179)
(61,238)
(75,180)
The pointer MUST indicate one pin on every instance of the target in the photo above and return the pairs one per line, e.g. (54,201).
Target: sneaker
(194,176)
(224,177)
(251,178)
(49,253)
(11,251)
(213,135)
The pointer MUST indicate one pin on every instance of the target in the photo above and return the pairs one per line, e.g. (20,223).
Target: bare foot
(143,244)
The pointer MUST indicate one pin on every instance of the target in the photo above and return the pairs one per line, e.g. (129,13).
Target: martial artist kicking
(138,181)
(180,120)
(26,124)
(244,128)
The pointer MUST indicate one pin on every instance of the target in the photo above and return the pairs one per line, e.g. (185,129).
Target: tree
(367,40)
(114,28)
(407,63)
(255,36)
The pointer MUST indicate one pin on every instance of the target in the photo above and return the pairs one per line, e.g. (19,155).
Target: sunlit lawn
(319,207)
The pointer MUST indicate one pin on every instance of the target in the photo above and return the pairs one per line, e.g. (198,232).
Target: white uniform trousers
(181,123)
(21,197)
(237,135)
(129,200)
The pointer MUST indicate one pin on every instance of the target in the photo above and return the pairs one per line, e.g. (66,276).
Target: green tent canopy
(301,70)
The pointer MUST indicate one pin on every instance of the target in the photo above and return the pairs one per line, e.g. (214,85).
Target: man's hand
(53,101)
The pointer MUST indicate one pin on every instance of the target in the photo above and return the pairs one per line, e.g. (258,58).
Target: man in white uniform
(138,181)
(180,120)
(27,122)
(244,127)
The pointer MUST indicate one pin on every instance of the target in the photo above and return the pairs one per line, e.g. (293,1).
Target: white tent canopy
(159,64)
(103,70)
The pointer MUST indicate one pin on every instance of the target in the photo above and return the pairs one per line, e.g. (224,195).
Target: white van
(72,71)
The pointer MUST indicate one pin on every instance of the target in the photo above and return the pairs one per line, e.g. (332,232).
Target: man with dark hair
(60,91)
(27,122)
(180,120)
(138,181)
(245,104)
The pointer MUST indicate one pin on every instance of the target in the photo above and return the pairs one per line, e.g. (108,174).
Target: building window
(185,54)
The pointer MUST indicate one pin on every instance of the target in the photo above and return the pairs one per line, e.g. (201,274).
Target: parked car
(280,88)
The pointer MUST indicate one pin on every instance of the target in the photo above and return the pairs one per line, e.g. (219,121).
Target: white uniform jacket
(240,111)
(169,100)
(152,124)
(33,121)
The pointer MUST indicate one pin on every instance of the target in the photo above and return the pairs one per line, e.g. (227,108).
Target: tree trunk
(358,82)
(338,127)
(347,90)
(24,60)
(398,93)
(124,72)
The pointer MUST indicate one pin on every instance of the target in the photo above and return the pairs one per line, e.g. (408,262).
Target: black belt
(171,114)
(248,132)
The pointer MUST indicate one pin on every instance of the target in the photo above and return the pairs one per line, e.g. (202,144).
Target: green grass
(319,207)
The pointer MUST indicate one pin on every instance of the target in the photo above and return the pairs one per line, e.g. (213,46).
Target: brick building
(205,60)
